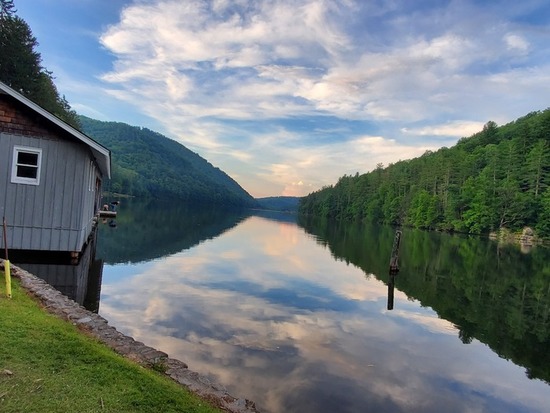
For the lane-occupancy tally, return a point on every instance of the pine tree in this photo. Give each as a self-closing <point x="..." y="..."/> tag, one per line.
<point x="19" y="62"/>
<point x="7" y="9"/>
<point x="21" y="65"/>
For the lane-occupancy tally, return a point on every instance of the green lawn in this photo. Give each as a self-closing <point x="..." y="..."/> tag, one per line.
<point x="47" y="365"/>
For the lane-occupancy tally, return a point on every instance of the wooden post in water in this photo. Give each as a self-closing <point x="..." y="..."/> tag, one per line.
<point x="394" y="264"/>
<point x="394" y="267"/>
<point x="391" y="287"/>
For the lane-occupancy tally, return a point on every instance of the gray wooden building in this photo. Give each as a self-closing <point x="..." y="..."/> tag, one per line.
<point x="50" y="177"/>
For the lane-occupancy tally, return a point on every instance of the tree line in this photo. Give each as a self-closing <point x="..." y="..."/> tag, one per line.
<point x="21" y="66"/>
<point x="496" y="178"/>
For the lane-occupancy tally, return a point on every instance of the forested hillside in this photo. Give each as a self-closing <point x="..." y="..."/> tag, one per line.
<point x="148" y="164"/>
<point x="497" y="178"/>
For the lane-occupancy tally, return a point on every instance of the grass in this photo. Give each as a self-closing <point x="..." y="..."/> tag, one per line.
<point x="48" y="365"/>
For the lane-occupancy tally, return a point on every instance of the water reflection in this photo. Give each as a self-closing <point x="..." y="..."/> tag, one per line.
<point x="391" y="291"/>
<point x="149" y="229"/>
<point x="496" y="294"/>
<point x="79" y="281"/>
<point x="279" y="316"/>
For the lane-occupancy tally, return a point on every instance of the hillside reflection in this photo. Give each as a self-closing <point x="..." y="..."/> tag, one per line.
<point x="493" y="293"/>
<point x="146" y="229"/>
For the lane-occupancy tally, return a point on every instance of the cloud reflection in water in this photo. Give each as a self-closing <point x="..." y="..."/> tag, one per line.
<point x="270" y="314"/>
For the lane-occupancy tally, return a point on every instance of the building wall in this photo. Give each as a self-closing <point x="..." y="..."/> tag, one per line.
<point x="57" y="214"/>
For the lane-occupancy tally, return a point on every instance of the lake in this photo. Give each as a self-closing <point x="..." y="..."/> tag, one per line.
<point x="293" y="313"/>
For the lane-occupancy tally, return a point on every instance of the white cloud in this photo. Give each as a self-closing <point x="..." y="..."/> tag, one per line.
<point x="516" y="42"/>
<point x="193" y="66"/>
<point x="284" y="166"/>
<point x="457" y="129"/>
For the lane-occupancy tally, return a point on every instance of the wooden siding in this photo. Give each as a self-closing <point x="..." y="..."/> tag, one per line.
<point x="58" y="214"/>
<point x="21" y="116"/>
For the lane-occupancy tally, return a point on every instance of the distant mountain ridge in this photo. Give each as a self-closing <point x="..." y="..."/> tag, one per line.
<point x="279" y="203"/>
<point x="148" y="164"/>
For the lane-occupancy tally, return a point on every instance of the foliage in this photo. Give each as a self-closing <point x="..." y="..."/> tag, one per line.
<point x="148" y="164"/>
<point x="56" y="368"/>
<point x="497" y="178"/>
<point x="21" y="65"/>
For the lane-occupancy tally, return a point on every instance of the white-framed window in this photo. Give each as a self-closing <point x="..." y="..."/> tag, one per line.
<point x="25" y="168"/>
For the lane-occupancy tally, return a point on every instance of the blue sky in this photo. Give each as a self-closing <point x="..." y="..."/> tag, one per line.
<point x="286" y="96"/>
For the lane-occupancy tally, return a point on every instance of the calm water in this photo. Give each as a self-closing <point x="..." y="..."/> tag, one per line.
<point x="294" y="315"/>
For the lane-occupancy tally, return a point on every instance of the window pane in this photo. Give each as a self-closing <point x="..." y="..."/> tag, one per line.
<point x="27" y="158"/>
<point x="26" y="171"/>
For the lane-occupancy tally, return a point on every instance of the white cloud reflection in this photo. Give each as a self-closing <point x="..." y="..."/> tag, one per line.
<point x="265" y="304"/>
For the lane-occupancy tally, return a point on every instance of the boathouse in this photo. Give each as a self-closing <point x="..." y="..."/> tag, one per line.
<point x="50" y="178"/>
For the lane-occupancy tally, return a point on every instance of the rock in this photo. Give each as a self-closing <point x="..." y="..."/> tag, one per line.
<point x="528" y="232"/>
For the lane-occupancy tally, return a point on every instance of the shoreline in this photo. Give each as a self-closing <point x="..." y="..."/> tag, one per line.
<point x="98" y="327"/>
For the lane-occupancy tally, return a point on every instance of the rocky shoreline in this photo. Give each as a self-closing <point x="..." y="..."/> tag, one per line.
<point x="96" y="326"/>
<point x="527" y="239"/>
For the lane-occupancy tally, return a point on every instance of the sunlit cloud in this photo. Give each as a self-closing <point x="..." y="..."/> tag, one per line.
<point x="429" y="321"/>
<point x="457" y="129"/>
<point x="223" y="77"/>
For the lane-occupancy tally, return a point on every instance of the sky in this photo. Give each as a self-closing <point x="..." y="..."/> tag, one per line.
<point x="286" y="96"/>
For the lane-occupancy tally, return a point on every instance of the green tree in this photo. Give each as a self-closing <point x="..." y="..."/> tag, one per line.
<point x="493" y="179"/>
<point x="7" y="9"/>
<point x="543" y="225"/>
<point x="423" y="212"/>
<point x="21" y="65"/>
<point x="489" y="134"/>
<point x="537" y="168"/>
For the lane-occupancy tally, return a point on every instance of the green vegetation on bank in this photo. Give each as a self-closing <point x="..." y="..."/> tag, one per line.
<point x="497" y="178"/>
<point x="48" y="365"/>
<point x="148" y="164"/>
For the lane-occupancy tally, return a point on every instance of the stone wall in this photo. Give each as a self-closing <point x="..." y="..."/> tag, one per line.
<point x="95" y="325"/>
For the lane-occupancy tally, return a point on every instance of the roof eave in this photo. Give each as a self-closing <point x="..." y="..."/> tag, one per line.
<point x="101" y="154"/>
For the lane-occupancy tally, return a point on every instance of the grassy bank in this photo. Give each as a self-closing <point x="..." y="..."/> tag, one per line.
<point x="48" y="365"/>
